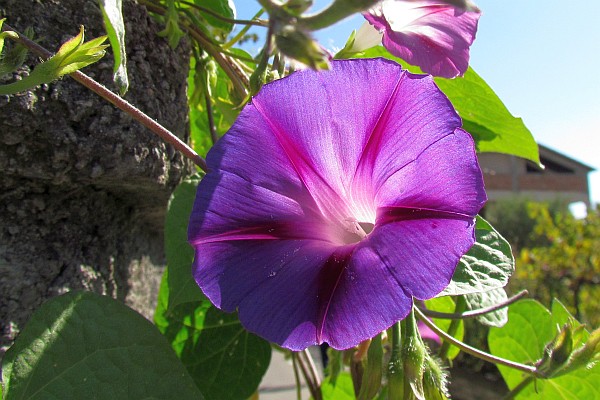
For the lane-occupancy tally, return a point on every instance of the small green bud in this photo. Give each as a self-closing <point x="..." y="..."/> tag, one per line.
<point x="584" y="356"/>
<point x="299" y="46"/>
<point x="435" y="380"/>
<point x="414" y="353"/>
<point x="556" y="353"/>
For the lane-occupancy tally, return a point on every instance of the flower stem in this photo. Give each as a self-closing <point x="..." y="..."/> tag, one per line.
<point x="473" y="351"/>
<point x="337" y="11"/>
<point x="461" y="305"/>
<point x="474" y="313"/>
<point x="120" y="103"/>
<point x="311" y="382"/>
<point x="297" y="376"/>
<point x="519" y="388"/>
<point x="210" y="118"/>
<point x="395" y="367"/>
<point x="312" y="368"/>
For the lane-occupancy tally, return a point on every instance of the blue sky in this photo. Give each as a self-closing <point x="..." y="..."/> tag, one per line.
<point x="542" y="58"/>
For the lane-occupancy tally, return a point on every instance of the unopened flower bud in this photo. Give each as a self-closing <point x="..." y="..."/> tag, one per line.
<point x="299" y="46"/>
<point x="557" y="352"/>
<point x="414" y="353"/>
<point x="435" y="382"/>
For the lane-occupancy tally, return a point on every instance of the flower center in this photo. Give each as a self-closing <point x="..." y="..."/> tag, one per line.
<point x="355" y="231"/>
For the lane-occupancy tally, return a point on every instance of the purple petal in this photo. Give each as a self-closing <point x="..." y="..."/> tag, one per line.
<point x="430" y="34"/>
<point x="275" y="284"/>
<point x="444" y="177"/>
<point x="326" y="119"/>
<point x="310" y="158"/>
<point x="422" y="254"/>
<point x="367" y="300"/>
<point x="406" y="128"/>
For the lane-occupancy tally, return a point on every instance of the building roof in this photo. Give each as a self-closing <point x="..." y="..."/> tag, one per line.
<point x="544" y="150"/>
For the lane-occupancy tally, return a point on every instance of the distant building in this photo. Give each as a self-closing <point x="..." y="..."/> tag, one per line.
<point x="563" y="178"/>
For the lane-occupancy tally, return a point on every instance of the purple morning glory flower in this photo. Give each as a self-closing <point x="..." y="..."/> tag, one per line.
<point x="334" y="199"/>
<point x="433" y="35"/>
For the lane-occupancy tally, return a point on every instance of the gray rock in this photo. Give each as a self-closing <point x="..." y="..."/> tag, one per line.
<point x="83" y="188"/>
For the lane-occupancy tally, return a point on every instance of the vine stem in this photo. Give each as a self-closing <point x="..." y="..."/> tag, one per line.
<point x="230" y="67"/>
<point x="461" y="304"/>
<point x="473" y="351"/>
<point x="119" y="102"/>
<point x="474" y="313"/>
<point x="519" y="388"/>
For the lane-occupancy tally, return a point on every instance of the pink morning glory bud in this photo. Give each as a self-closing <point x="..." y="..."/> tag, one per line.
<point x="432" y="34"/>
<point x="336" y="198"/>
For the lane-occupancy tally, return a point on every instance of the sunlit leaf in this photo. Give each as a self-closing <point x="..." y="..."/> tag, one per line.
<point x="529" y="329"/>
<point x="224" y="8"/>
<point x="341" y="389"/>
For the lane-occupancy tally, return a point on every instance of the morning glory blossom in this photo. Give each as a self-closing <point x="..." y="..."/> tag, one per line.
<point x="334" y="199"/>
<point x="431" y="34"/>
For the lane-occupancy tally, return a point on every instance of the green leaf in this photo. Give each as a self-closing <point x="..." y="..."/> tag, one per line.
<point x="446" y="305"/>
<point x="15" y="57"/>
<point x="530" y="327"/>
<point x="487" y="265"/>
<point x="82" y="345"/>
<point x="224" y="359"/>
<point x="484" y="116"/>
<point x="487" y="119"/>
<point x="180" y="255"/>
<point x="341" y="389"/>
<point x="487" y="299"/>
<point x="112" y="15"/>
<point x="225" y="8"/>
<point x="172" y="31"/>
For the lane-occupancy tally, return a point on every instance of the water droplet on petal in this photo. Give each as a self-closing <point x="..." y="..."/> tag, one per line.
<point x="272" y="274"/>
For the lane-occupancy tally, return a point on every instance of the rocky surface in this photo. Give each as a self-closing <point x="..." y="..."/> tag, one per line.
<point x="83" y="187"/>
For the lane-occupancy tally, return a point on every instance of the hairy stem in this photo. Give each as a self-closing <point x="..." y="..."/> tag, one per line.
<point x="473" y="351"/>
<point x="120" y="103"/>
